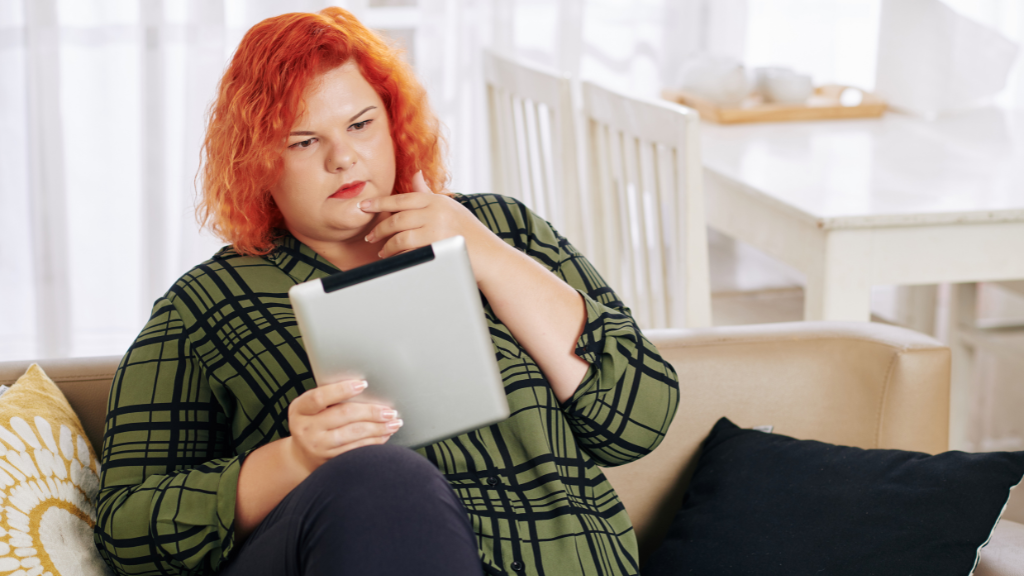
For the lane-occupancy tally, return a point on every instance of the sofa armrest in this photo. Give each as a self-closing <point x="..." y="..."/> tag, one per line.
<point x="851" y="383"/>
<point x="1004" y="554"/>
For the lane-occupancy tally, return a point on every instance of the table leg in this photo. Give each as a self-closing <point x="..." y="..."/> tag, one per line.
<point x="838" y="286"/>
<point x="916" y="307"/>
<point x="962" y="328"/>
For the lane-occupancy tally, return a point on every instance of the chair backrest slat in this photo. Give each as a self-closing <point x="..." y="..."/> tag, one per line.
<point x="554" y="202"/>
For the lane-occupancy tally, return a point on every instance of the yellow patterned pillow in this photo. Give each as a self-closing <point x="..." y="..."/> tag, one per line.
<point x="49" y="477"/>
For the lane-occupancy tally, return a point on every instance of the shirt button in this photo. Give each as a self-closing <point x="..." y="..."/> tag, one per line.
<point x="518" y="566"/>
<point x="493" y="481"/>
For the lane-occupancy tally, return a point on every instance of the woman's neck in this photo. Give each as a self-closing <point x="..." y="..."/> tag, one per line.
<point x="344" y="254"/>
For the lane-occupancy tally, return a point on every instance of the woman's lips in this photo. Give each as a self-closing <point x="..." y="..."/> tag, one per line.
<point x="349" y="190"/>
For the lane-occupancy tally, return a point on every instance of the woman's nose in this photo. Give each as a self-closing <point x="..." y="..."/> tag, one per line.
<point x="341" y="158"/>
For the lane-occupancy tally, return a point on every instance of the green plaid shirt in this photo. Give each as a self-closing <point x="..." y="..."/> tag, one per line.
<point x="210" y="377"/>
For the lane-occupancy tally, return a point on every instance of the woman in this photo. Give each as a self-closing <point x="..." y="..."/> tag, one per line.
<point x="222" y="455"/>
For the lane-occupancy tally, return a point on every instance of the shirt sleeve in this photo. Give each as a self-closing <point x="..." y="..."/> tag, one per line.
<point x="629" y="395"/>
<point x="167" y="490"/>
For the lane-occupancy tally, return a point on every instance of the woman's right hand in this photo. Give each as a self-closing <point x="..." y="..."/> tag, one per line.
<point x="325" y="423"/>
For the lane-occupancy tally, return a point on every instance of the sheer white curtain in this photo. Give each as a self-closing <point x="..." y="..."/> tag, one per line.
<point x="1006" y="16"/>
<point x="633" y="46"/>
<point x="102" y="107"/>
<point x="102" y="104"/>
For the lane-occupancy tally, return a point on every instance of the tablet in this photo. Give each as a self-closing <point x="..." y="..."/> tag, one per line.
<point x="413" y="327"/>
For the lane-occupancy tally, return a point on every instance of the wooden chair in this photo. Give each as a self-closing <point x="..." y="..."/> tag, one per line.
<point x="533" y="142"/>
<point x="965" y="334"/>
<point x="645" y="192"/>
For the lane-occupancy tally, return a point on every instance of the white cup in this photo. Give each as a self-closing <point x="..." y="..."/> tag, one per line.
<point x="762" y="74"/>
<point x="784" y="86"/>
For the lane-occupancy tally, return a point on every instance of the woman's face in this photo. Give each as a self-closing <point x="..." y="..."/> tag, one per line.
<point x="338" y="154"/>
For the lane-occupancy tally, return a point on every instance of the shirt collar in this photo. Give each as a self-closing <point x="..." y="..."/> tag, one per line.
<point x="299" y="261"/>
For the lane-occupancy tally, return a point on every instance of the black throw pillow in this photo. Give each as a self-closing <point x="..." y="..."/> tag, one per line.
<point x="764" y="504"/>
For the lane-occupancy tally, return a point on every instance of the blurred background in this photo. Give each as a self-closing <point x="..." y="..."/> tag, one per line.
<point x="102" y="108"/>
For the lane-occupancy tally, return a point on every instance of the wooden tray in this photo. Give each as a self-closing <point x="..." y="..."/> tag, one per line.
<point x="824" y="105"/>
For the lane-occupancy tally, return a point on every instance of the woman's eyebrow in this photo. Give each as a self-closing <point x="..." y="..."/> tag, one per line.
<point x="361" y="112"/>
<point x="308" y="133"/>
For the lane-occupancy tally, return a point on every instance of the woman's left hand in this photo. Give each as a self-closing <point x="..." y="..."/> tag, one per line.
<point x="545" y="314"/>
<point x="422" y="217"/>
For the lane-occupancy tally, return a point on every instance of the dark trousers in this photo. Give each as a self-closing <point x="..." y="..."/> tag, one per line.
<point x="373" y="510"/>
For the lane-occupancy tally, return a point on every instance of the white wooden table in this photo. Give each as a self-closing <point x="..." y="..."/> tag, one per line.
<point x="857" y="203"/>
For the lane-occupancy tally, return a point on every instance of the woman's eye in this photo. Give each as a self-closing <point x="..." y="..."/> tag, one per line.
<point x="303" y="144"/>
<point x="360" y="125"/>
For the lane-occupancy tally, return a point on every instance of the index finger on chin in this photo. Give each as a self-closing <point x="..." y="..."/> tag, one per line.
<point x="395" y="203"/>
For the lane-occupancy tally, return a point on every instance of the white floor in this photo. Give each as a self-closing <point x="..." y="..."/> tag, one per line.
<point x="751" y="288"/>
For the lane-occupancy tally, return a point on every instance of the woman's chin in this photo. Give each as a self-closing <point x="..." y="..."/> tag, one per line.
<point x="353" y="221"/>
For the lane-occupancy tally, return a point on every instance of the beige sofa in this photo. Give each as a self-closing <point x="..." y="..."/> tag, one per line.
<point x="858" y="384"/>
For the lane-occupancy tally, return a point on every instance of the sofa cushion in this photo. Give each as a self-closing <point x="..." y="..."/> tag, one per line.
<point x="767" y="504"/>
<point x="49" y="477"/>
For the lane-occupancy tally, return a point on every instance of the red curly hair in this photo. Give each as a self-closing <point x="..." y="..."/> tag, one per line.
<point x="259" y="99"/>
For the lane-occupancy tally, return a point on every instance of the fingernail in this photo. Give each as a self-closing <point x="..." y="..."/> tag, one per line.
<point x="389" y="414"/>
<point x="364" y="204"/>
<point x="379" y="254"/>
<point x="367" y="238"/>
<point x="394" y="425"/>
<point x="359" y="386"/>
